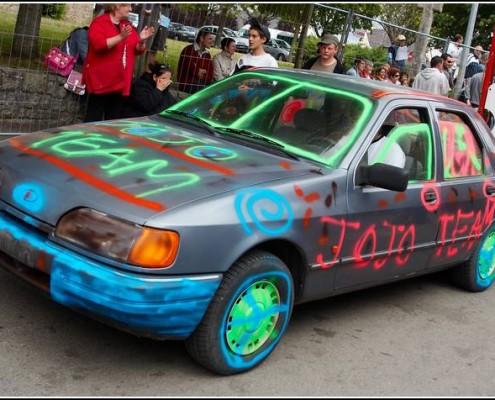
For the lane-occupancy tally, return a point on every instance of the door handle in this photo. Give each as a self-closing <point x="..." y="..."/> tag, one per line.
<point x="490" y="190"/>
<point x="431" y="197"/>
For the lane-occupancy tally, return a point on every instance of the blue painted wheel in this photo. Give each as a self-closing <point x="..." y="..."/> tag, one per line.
<point x="247" y="317"/>
<point x="478" y="273"/>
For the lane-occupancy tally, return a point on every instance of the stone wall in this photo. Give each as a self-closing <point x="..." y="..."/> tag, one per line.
<point x="35" y="100"/>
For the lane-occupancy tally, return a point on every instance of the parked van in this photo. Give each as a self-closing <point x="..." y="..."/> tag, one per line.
<point x="274" y="33"/>
<point x="242" y="45"/>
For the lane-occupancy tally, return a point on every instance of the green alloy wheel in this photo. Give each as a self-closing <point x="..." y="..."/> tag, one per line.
<point x="247" y="316"/>
<point x="253" y="317"/>
<point x="478" y="273"/>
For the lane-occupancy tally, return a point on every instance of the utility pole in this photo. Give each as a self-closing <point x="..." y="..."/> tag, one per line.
<point x="465" y="50"/>
<point x="425" y="27"/>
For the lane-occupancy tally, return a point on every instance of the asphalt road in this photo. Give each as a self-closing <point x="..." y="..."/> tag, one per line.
<point x="421" y="337"/>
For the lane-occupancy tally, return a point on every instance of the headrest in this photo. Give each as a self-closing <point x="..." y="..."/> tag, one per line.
<point x="309" y="119"/>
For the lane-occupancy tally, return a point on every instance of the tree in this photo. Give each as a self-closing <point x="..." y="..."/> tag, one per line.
<point x="264" y="13"/>
<point x="330" y="20"/>
<point x="402" y="15"/>
<point x="457" y="15"/>
<point x="27" y="30"/>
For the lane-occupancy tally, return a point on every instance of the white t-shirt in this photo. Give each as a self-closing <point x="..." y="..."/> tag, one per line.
<point x="265" y="60"/>
<point x="394" y="156"/>
<point x="401" y="53"/>
<point x="455" y="51"/>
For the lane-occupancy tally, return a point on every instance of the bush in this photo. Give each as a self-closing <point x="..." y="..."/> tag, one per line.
<point x="378" y="55"/>
<point x="54" y="11"/>
<point x="311" y="47"/>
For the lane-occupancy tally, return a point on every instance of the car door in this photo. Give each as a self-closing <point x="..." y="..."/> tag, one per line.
<point x="270" y="47"/>
<point x="466" y="183"/>
<point x="388" y="233"/>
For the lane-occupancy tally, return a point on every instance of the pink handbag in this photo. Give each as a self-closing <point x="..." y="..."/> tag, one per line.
<point x="59" y="62"/>
<point x="73" y="83"/>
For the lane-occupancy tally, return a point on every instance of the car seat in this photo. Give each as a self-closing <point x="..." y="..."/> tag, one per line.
<point x="412" y="165"/>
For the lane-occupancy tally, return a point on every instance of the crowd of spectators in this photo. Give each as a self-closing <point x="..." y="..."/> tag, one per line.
<point x="113" y="43"/>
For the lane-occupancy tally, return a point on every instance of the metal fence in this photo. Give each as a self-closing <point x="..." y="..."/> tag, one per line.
<point x="22" y="101"/>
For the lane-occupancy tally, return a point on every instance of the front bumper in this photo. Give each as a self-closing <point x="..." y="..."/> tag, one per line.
<point x="152" y="305"/>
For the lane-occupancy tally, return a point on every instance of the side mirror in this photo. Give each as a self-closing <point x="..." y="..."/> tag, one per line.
<point x="383" y="176"/>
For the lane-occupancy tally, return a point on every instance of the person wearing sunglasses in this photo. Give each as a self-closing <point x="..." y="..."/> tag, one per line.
<point x="393" y="76"/>
<point x="432" y="79"/>
<point x="149" y="93"/>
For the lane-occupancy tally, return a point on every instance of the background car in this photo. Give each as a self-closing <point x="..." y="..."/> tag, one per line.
<point x="175" y="29"/>
<point x="185" y="33"/>
<point x="242" y="44"/>
<point x="209" y="221"/>
<point x="278" y="48"/>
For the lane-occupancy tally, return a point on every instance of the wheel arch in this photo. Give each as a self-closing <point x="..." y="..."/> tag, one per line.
<point x="292" y="256"/>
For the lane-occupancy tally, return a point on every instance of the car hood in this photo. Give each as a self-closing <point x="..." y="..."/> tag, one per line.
<point x="132" y="169"/>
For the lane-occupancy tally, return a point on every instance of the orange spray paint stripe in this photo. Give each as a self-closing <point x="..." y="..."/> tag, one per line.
<point x="89" y="179"/>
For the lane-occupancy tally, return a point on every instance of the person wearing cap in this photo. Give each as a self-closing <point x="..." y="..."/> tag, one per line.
<point x="397" y="54"/>
<point x="473" y="65"/>
<point x="326" y="61"/>
<point x="257" y="56"/>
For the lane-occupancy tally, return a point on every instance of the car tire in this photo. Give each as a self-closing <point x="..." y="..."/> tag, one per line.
<point x="247" y="316"/>
<point x="478" y="273"/>
<point x="281" y="57"/>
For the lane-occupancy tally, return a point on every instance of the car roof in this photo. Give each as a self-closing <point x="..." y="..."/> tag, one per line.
<point x="367" y="87"/>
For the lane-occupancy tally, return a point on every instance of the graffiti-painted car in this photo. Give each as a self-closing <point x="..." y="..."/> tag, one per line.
<point x="209" y="221"/>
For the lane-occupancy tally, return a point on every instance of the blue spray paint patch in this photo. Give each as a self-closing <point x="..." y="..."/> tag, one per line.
<point x="211" y="152"/>
<point x="241" y="362"/>
<point x="168" y="307"/>
<point x="270" y="212"/>
<point x="29" y="196"/>
<point x="486" y="261"/>
<point x="145" y="131"/>
<point x="158" y="305"/>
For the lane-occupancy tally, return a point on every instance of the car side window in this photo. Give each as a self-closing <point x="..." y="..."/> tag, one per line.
<point x="404" y="140"/>
<point x="462" y="155"/>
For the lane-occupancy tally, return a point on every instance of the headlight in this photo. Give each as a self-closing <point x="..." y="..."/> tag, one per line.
<point x="117" y="239"/>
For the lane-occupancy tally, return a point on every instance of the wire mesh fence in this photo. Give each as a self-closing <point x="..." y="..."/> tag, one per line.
<point x="32" y="98"/>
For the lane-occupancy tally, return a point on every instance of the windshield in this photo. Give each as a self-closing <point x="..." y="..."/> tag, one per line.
<point x="229" y="32"/>
<point x="283" y="44"/>
<point x="308" y="119"/>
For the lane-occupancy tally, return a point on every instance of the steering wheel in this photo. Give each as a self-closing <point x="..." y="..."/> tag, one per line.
<point x="320" y="141"/>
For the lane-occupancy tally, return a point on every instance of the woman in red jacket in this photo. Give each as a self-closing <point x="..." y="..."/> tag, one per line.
<point x="109" y="65"/>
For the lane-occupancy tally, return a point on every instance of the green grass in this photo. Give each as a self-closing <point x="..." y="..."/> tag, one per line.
<point x="52" y="33"/>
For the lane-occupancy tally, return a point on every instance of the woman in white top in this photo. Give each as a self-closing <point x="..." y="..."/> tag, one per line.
<point x="257" y="57"/>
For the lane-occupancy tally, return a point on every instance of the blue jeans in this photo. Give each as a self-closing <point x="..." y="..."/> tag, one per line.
<point x="401" y="64"/>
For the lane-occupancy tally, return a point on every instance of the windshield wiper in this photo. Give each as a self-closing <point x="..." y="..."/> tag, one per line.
<point x="205" y="124"/>
<point x="255" y="136"/>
